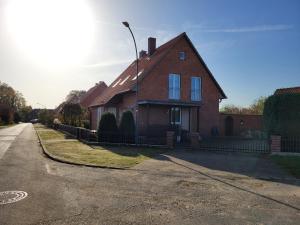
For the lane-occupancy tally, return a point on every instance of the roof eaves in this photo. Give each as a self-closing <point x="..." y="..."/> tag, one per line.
<point x="206" y="67"/>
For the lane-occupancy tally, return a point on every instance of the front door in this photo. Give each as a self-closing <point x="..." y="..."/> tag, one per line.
<point x="185" y="119"/>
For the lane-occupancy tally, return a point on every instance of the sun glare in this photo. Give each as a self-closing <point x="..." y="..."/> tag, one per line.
<point x="52" y="31"/>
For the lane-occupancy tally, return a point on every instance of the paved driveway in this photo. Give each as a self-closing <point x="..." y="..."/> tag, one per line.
<point x="177" y="188"/>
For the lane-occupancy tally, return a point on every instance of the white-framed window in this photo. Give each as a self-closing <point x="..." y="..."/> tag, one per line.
<point x="196" y="89"/>
<point x="175" y="115"/>
<point x="174" y="86"/>
<point x="182" y="55"/>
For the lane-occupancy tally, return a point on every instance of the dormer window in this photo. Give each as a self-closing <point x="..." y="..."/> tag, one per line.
<point x="182" y="56"/>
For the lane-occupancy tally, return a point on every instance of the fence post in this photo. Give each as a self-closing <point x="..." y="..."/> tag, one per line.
<point x="170" y="139"/>
<point x="78" y="133"/>
<point x="275" y="143"/>
<point x="195" y="140"/>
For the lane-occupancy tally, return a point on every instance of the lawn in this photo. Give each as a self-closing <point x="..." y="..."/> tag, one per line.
<point x="120" y="157"/>
<point x="47" y="134"/>
<point x="74" y="151"/>
<point x="51" y="135"/>
<point x="289" y="163"/>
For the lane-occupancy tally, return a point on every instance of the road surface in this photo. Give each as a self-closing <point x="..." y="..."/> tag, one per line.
<point x="177" y="188"/>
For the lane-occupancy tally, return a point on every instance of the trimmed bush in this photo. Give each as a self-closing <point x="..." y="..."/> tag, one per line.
<point x="282" y="115"/>
<point x="127" y="127"/>
<point x="108" y="129"/>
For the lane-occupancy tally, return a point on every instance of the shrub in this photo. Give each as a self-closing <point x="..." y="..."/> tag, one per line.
<point x="108" y="129"/>
<point x="86" y="124"/>
<point x="282" y="115"/>
<point x="127" y="127"/>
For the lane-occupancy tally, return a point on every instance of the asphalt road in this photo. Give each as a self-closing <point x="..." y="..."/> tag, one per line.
<point x="177" y="188"/>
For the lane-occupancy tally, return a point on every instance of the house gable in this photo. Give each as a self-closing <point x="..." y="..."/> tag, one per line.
<point x="154" y="86"/>
<point x="126" y="82"/>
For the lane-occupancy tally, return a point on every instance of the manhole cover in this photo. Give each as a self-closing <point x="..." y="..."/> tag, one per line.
<point x="11" y="196"/>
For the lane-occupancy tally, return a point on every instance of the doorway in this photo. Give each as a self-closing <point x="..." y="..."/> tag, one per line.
<point x="229" y="126"/>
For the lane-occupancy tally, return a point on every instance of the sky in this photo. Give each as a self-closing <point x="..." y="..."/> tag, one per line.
<point x="48" y="48"/>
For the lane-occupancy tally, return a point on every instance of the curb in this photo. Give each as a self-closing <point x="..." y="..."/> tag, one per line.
<point x="58" y="159"/>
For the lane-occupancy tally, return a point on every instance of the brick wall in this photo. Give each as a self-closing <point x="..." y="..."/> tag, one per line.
<point x="250" y="122"/>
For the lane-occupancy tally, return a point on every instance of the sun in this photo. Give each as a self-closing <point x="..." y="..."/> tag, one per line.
<point x="51" y="31"/>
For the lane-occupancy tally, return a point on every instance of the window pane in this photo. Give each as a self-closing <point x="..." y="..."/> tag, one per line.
<point x="182" y="55"/>
<point x="174" y="86"/>
<point x="175" y="115"/>
<point x="195" y="88"/>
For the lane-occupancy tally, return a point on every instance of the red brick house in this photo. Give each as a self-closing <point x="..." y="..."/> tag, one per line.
<point x="175" y="87"/>
<point x="88" y="98"/>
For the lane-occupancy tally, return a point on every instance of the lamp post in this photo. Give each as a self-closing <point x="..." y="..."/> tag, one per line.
<point x="126" y="24"/>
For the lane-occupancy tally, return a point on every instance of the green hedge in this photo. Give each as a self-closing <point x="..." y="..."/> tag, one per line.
<point x="108" y="130"/>
<point x="127" y="126"/>
<point x="282" y="115"/>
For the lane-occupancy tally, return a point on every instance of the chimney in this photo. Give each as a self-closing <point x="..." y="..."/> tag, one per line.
<point x="151" y="45"/>
<point x="142" y="53"/>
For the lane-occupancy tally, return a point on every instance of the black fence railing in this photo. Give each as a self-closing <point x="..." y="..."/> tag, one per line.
<point x="236" y="144"/>
<point x="290" y="144"/>
<point x="110" y="137"/>
<point x="66" y="128"/>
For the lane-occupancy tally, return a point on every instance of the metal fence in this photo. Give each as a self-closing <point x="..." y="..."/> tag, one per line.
<point x="110" y="137"/>
<point x="236" y="144"/>
<point x="66" y="128"/>
<point x="290" y="144"/>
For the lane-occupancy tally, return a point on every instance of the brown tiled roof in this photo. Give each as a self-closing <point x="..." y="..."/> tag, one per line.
<point x="290" y="90"/>
<point x="93" y="93"/>
<point x="126" y="81"/>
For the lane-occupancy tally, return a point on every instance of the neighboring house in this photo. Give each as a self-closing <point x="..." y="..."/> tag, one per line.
<point x="86" y="98"/>
<point x="290" y="90"/>
<point x="175" y="88"/>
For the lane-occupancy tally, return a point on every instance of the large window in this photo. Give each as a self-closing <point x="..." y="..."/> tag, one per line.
<point x="175" y="115"/>
<point x="196" y="89"/>
<point x="174" y="86"/>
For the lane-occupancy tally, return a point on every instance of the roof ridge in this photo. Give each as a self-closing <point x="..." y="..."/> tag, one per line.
<point x="288" y="88"/>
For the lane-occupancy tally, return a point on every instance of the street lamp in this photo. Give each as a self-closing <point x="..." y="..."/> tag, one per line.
<point x="126" y="24"/>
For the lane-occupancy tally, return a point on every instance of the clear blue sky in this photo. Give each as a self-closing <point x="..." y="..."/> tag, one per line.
<point x="251" y="47"/>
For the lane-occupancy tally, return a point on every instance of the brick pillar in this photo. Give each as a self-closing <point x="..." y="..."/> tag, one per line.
<point x="170" y="139"/>
<point x="275" y="143"/>
<point x="195" y="140"/>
